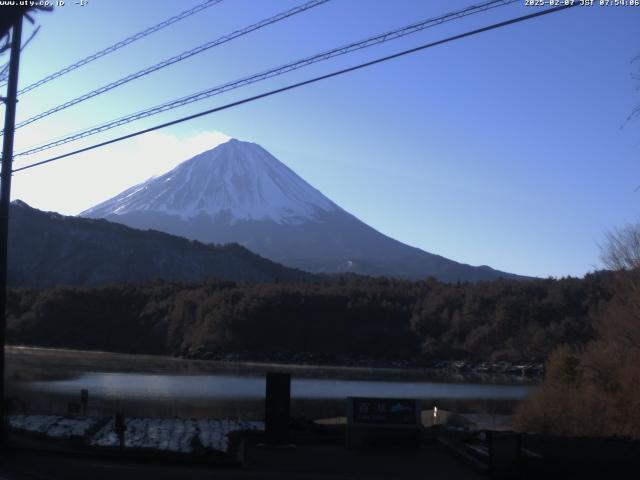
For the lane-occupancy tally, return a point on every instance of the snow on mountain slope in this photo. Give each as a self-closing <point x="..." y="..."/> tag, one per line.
<point x="238" y="179"/>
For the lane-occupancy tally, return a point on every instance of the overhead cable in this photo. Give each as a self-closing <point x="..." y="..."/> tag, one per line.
<point x="368" y="42"/>
<point x="122" y="43"/>
<point x="175" y="59"/>
<point x="303" y="83"/>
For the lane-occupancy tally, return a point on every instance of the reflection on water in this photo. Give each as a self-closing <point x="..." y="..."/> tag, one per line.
<point x="216" y="386"/>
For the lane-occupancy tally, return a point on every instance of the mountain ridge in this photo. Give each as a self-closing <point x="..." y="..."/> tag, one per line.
<point x="48" y="249"/>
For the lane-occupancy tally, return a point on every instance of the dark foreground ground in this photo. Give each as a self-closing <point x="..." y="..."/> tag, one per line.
<point x="301" y="462"/>
<point x="442" y="454"/>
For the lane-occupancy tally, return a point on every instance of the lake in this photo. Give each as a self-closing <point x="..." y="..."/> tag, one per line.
<point x="46" y="381"/>
<point x="222" y="386"/>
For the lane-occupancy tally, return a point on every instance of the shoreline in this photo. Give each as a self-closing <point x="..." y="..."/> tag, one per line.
<point x="529" y="372"/>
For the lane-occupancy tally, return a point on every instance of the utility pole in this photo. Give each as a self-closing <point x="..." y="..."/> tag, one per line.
<point x="5" y="197"/>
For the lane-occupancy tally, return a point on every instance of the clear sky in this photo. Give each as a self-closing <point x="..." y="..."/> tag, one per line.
<point x="508" y="149"/>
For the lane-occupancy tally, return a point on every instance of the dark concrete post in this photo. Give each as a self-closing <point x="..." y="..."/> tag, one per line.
<point x="277" y="408"/>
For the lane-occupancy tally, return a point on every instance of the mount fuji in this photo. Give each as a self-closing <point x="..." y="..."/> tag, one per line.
<point x="238" y="192"/>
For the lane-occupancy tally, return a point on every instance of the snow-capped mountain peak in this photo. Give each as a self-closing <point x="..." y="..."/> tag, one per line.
<point x="238" y="192"/>
<point x="239" y="180"/>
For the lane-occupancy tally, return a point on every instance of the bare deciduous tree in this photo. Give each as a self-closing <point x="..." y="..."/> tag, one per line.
<point x="595" y="390"/>
<point x="621" y="250"/>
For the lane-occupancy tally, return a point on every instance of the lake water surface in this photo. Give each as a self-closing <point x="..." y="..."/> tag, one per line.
<point x="47" y="381"/>
<point x="221" y="386"/>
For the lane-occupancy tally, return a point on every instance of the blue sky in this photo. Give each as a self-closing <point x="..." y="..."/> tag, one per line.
<point x="508" y="149"/>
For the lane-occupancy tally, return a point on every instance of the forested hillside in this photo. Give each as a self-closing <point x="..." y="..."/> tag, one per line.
<point x="329" y="321"/>
<point x="47" y="249"/>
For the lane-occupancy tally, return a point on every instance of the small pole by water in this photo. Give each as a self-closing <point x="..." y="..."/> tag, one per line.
<point x="120" y="427"/>
<point x="84" y="401"/>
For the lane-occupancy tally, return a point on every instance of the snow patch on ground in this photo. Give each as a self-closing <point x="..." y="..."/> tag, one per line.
<point x="54" y="426"/>
<point x="174" y="435"/>
<point x="170" y="435"/>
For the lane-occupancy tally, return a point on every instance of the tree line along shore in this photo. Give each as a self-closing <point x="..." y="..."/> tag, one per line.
<point x="480" y="326"/>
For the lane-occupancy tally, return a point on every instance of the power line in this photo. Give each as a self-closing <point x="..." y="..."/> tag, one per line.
<point x="175" y="59"/>
<point x="122" y="43"/>
<point x="377" y="39"/>
<point x="303" y="83"/>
